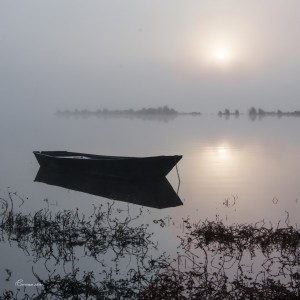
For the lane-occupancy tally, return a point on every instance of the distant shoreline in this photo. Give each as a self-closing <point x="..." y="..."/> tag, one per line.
<point x="165" y="113"/>
<point x="260" y="112"/>
<point x="159" y="111"/>
<point x="253" y="113"/>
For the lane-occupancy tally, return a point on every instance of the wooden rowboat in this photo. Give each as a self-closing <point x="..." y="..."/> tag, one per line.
<point x="109" y="166"/>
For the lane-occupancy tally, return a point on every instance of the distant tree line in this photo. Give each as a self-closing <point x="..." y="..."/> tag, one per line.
<point x="260" y="112"/>
<point x="227" y="112"/>
<point x="164" y="110"/>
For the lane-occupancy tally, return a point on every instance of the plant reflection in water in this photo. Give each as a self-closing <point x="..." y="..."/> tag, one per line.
<point x="214" y="261"/>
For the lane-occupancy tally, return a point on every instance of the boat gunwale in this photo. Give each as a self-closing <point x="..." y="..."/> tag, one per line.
<point x="99" y="157"/>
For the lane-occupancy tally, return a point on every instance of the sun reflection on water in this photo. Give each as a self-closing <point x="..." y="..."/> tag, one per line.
<point x="223" y="152"/>
<point x="214" y="170"/>
<point x="220" y="159"/>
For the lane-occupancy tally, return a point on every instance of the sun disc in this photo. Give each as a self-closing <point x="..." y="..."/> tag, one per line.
<point x="221" y="54"/>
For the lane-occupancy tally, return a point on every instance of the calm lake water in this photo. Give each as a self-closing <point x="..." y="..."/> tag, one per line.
<point x="236" y="169"/>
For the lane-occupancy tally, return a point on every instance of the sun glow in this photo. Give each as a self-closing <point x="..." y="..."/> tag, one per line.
<point x="224" y="45"/>
<point x="216" y="55"/>
<point x="221" y="54"/>
<point x="215" y="52"/>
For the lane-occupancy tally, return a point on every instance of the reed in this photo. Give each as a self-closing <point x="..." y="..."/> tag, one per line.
<point x="214" y="260"/>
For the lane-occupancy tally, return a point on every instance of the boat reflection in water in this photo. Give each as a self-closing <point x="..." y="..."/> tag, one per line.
<point x="156" y="193"/>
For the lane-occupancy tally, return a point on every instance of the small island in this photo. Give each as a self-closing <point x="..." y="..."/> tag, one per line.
<point x="253" y="112"/>
<point x="227" y="112"/>
<point x="144" y="113"/>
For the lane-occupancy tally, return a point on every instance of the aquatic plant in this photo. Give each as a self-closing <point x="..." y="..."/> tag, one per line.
<point x="214" y="260"/>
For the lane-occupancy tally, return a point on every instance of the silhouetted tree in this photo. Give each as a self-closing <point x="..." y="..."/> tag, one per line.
<point x="252" y="111"/>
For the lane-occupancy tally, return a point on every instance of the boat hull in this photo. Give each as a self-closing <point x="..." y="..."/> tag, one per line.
<point x="108" y="166"/>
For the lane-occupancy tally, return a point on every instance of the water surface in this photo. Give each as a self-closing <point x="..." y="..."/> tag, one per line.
<point x="237" y="170"/>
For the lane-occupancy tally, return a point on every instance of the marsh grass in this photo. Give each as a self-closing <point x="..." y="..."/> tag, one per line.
<point x="214" y="260"/>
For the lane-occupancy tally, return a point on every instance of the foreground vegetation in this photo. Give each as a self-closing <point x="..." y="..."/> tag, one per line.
<point x="214" y="260"/>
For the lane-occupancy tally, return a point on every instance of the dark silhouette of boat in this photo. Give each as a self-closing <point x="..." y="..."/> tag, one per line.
<point x="108" y="166"/>
<point x="152" y="193"/>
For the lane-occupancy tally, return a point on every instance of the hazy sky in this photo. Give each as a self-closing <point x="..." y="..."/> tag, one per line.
<point x="191" y="55"/>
